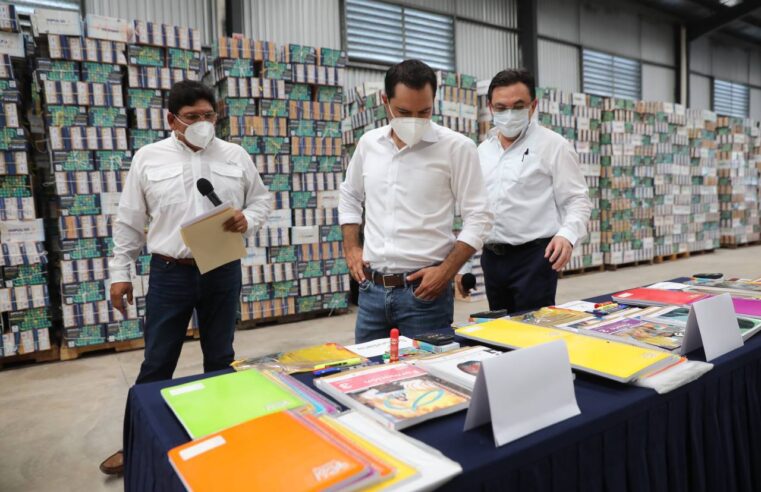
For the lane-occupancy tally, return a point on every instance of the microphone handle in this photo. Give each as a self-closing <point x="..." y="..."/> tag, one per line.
<point x="214" y="199"/>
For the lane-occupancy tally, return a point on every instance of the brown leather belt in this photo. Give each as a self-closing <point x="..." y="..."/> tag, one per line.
<point x="179" y="261"/>
<point x="388" y="280"/>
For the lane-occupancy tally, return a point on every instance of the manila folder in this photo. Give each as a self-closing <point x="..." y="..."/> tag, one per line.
<point x="210" y="244"/>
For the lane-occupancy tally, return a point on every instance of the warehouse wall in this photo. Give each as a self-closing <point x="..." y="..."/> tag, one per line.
<point x="309" y="22"/>
<point x="199" y="14"/>
<point x="700" y="92"/>
<point x="620" y="28"/>
<point x="483" y="51"/>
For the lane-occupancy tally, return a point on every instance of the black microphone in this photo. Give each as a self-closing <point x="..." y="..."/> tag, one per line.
<point x="468" y="282"/>
<point x="207" y="189"/>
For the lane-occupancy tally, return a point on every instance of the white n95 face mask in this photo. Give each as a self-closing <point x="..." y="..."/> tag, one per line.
<point x="409" y="130"/>
<point x="511" y="122"/>
<point x="199" y="134"/>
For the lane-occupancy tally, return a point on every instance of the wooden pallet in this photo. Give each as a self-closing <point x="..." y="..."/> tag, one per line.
<point x="290" y="318"/>
<point x="671" y="257"/>
<point x="193" y="333"/>
<point x="581" y="271"/>
<point x="70" y="353"/>
<point x="733" y="245"/>
<point x="613" y="268"/>
<point x="50" y="355"/>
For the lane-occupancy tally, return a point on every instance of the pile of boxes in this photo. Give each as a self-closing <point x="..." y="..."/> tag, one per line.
<point x="456" y="103"/>
<point x="79" y="80"/>
<point x="626" y="183"/>
<point x="738" y="182"/>
<point x="704" y="221"/>
<point x="283" y="105"/>
<point x="25" y="320"/>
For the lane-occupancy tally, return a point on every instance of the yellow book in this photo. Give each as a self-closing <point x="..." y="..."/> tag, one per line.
<point x="614" y="360"/>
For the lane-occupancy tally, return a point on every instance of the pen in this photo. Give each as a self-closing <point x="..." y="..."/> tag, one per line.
<point x="524" y="156"/>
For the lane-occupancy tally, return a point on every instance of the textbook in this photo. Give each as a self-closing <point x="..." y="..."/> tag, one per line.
<point x="642" y="332"/>
<point x="735" y="285"/>
<point x="618" y="361"/>
<point x="459" y="366"/>
<point x="210" y="244"/>
<point x="747" y="307"/>
<point x="212" y="404"/>
<point x="658" y="297"/>
<point x="277" y="452"/>
<point x="398" y="395"/>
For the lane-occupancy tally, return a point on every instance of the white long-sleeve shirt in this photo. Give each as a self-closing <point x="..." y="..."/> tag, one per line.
<point x="409" y="198"/>
<point x="536" y="188"/>
<point x="161" y="186"/>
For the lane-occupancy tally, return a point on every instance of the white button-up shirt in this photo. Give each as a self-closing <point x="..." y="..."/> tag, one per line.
<point x="536" y="187"/>
<point x="160" y="193"/>
<point x="410" y="195"/>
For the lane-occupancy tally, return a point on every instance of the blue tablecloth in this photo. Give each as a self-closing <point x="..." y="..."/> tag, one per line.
<point x="705" y="436"/>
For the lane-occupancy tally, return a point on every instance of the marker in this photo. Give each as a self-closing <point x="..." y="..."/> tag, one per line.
<point x="394" y="341"/>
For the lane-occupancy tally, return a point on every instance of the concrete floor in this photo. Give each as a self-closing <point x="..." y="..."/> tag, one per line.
<point x="59" y="420"/>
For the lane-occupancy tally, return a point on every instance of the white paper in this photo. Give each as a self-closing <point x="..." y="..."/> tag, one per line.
<point x="109" y="28"/>
<point x="584" y="306"/>
<point x="523" y="391"/>
<point x="202" y="447"/>
<point x="378" y="347"/>
<point x="12" y="43"/>
<point x="48" y="21"/>
<point x="668" y="286"/>
<point x="713" y="324"/>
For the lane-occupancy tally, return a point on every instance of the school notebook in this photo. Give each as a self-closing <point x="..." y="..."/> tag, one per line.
<point x="613" y="360"/>
<point x="212" y="404"/>
<point x="658" y="297"/>
<point x="210" y="244"/>
<point x="277" y="452"/>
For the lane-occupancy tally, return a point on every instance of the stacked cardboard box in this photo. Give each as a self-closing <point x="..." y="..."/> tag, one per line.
<point x="577" y="117"/>
<point x="80" y="82"/>
<point x="626" y="183"/>
<point x="484" y="115"/>
<point x="456" y="104"/>
<point x="283" y="105"/>
<point x="704" y="223"/>
<point x="666" y="126"/>
<point x="738" y="182"/>
<point x="25" y="322"/>
<point x="363" y="111"/>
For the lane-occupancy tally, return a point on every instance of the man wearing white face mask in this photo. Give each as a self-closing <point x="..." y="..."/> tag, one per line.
<point x="160" y="194"/>
<point x="408" y="176"/>
<point x="538" y="194"/>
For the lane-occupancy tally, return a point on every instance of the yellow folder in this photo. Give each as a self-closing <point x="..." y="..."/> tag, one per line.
<point x="210" y="244"/>
<point x="606" y="358"/>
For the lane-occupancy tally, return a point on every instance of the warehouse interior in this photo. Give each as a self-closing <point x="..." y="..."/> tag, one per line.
<point x="687" y="72"/>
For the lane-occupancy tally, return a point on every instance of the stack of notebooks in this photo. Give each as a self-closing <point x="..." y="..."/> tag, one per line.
<point x="703" y="228"/>
<point x="308" y="445"/>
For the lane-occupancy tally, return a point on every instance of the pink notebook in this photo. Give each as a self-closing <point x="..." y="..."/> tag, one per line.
<point x="747" y="307"/>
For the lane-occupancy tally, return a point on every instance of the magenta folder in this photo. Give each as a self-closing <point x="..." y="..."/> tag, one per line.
<point x="747" y="307"/>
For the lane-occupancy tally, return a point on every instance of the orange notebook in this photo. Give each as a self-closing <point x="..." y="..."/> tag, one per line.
<point x="277" y="452"/>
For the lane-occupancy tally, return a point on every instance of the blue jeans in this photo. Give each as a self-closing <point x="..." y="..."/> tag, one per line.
<point x="381" y="309"/>
<point x="174" y="290"/>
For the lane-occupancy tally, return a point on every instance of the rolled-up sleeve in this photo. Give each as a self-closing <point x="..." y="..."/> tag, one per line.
<point x="258" y="200"/>
<point x="129" y="226"/>
<point x="470" y="195"/>
<point x="352" y="190"/>
<point x="571" y="194"/>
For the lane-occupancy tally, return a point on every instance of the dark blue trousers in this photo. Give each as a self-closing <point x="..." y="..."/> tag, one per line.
<point x="174" y="290"/>
<point x="521" y="279"/>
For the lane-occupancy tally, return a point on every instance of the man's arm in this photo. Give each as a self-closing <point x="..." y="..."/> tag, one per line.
<point x="128" y="235"/>
<point x="470" y="195"/>
<point x="350" y="214"/>
<point x="257" y="203"/>
<point x="572" y="199"/>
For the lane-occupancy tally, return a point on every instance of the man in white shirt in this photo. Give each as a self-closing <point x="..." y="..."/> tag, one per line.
<point x="538" y="194"/>
<point x="409" y="176"/>
<point x="160" y="194"/>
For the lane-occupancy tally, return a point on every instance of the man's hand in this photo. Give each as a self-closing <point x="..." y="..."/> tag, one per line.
<point x="559" y="252"/>
<point x="118" y="291"/>
<point x="356" y="264"/>
<point x="236" y="223"/>
<point x="435" y="280"/>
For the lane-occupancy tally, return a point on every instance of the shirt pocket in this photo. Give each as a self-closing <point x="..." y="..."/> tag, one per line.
<point x="533" y="173"/>
<point x="166" y="186"/>
<point x="228" y="182"/>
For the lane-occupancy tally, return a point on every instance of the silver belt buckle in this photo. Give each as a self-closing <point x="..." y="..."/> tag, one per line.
<point x="384" y="282"/>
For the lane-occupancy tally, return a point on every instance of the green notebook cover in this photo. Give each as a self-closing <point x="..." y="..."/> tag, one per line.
<point x="210" y="405"/>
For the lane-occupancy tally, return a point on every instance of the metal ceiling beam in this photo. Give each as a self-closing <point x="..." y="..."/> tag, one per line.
<point x="527" y="35"/>
<point x="721" y="18"/>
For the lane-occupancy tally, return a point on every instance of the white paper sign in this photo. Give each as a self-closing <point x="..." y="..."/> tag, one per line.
<point x="712" y="323"/>
<point x="108" y="28"/>
<point x="12" y="43"/>
<point x="523" y="391"/>
<point x="63" y="22"/>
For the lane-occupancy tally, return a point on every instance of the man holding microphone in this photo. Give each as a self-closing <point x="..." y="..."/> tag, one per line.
<point x="160" y="194"/>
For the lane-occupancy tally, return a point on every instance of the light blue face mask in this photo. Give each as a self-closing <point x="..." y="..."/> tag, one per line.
<point x="511" y="122"/>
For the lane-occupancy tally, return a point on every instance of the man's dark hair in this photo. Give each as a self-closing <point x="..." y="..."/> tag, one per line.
<point x="513" y="76"/>
<point x="189" y="92"/>
<point x="412" y="73"/>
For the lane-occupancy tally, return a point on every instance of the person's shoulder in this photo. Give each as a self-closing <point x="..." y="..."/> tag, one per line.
<point x="551" y="137"/>
<point x="150" y="150"/>
<point x="374" y="134"/>
<point x="452" y="137"/>
<point x="225" y="146"/>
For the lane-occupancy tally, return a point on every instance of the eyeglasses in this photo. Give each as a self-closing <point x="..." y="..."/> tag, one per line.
<point x="195" y="117"/>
